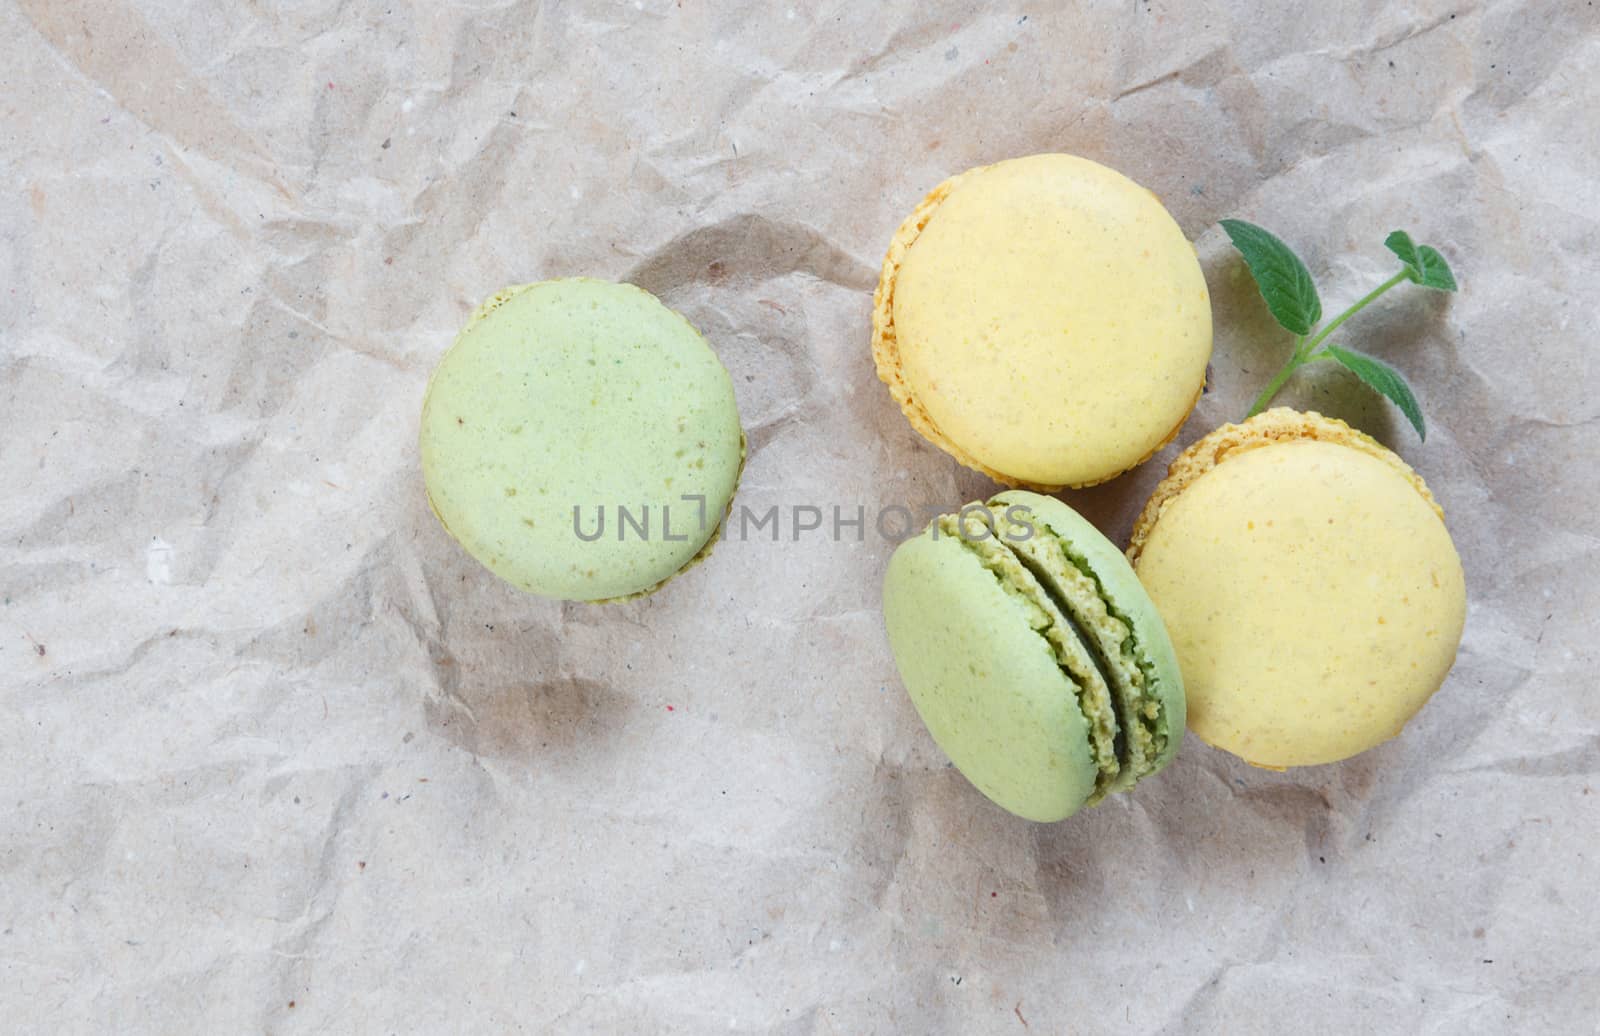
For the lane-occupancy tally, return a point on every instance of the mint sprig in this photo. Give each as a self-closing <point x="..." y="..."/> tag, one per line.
<point x="1424" y="265"/>
<point x="1291" y="297"/>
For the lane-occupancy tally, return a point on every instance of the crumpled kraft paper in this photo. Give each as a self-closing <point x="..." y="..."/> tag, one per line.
<point x="280" y="757"/>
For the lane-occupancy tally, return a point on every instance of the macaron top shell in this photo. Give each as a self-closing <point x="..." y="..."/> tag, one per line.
<point x="1044" y="320"/>
<point x="1310" y="586"/>
<point x="588" y="395"/>
<point x="985" y="682"/>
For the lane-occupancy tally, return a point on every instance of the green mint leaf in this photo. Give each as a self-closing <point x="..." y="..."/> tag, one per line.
<point x="1400" y="243"/>
<point x="1282" y="278"/>
<point x="1424" y="265"/>
<point x="1435" y="271"/>
<point x="1385" y="379"/>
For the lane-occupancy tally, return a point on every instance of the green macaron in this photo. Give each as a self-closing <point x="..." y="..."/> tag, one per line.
<point x="1033" y="655"/>
<point x="581" y="440"/>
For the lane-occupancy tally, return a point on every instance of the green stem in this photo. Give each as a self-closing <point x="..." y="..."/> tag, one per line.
<point x="1305" y="349"/>
<point x="1361" y="303"/>
<point x="1296" y="358"/>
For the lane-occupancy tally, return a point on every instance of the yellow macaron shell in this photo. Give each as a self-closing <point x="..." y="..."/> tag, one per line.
<point x="1050" y="319"/>
<point x="1313" y="595"/>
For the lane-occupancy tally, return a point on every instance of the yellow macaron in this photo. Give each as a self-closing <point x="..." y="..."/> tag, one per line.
<point x="1043" y="320"/>
<point x="1310" y="586"/>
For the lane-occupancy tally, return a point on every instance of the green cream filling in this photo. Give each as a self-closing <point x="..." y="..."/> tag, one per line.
<point x="1061" y="633"/>
<point x="1067" y="577"/>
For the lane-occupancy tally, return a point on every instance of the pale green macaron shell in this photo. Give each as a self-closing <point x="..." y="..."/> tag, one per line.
<point x="588" y="395"/>
<point x="1033" y="655"/>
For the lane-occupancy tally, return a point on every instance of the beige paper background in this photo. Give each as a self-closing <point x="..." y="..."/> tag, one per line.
<point x="277" y="756"/>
